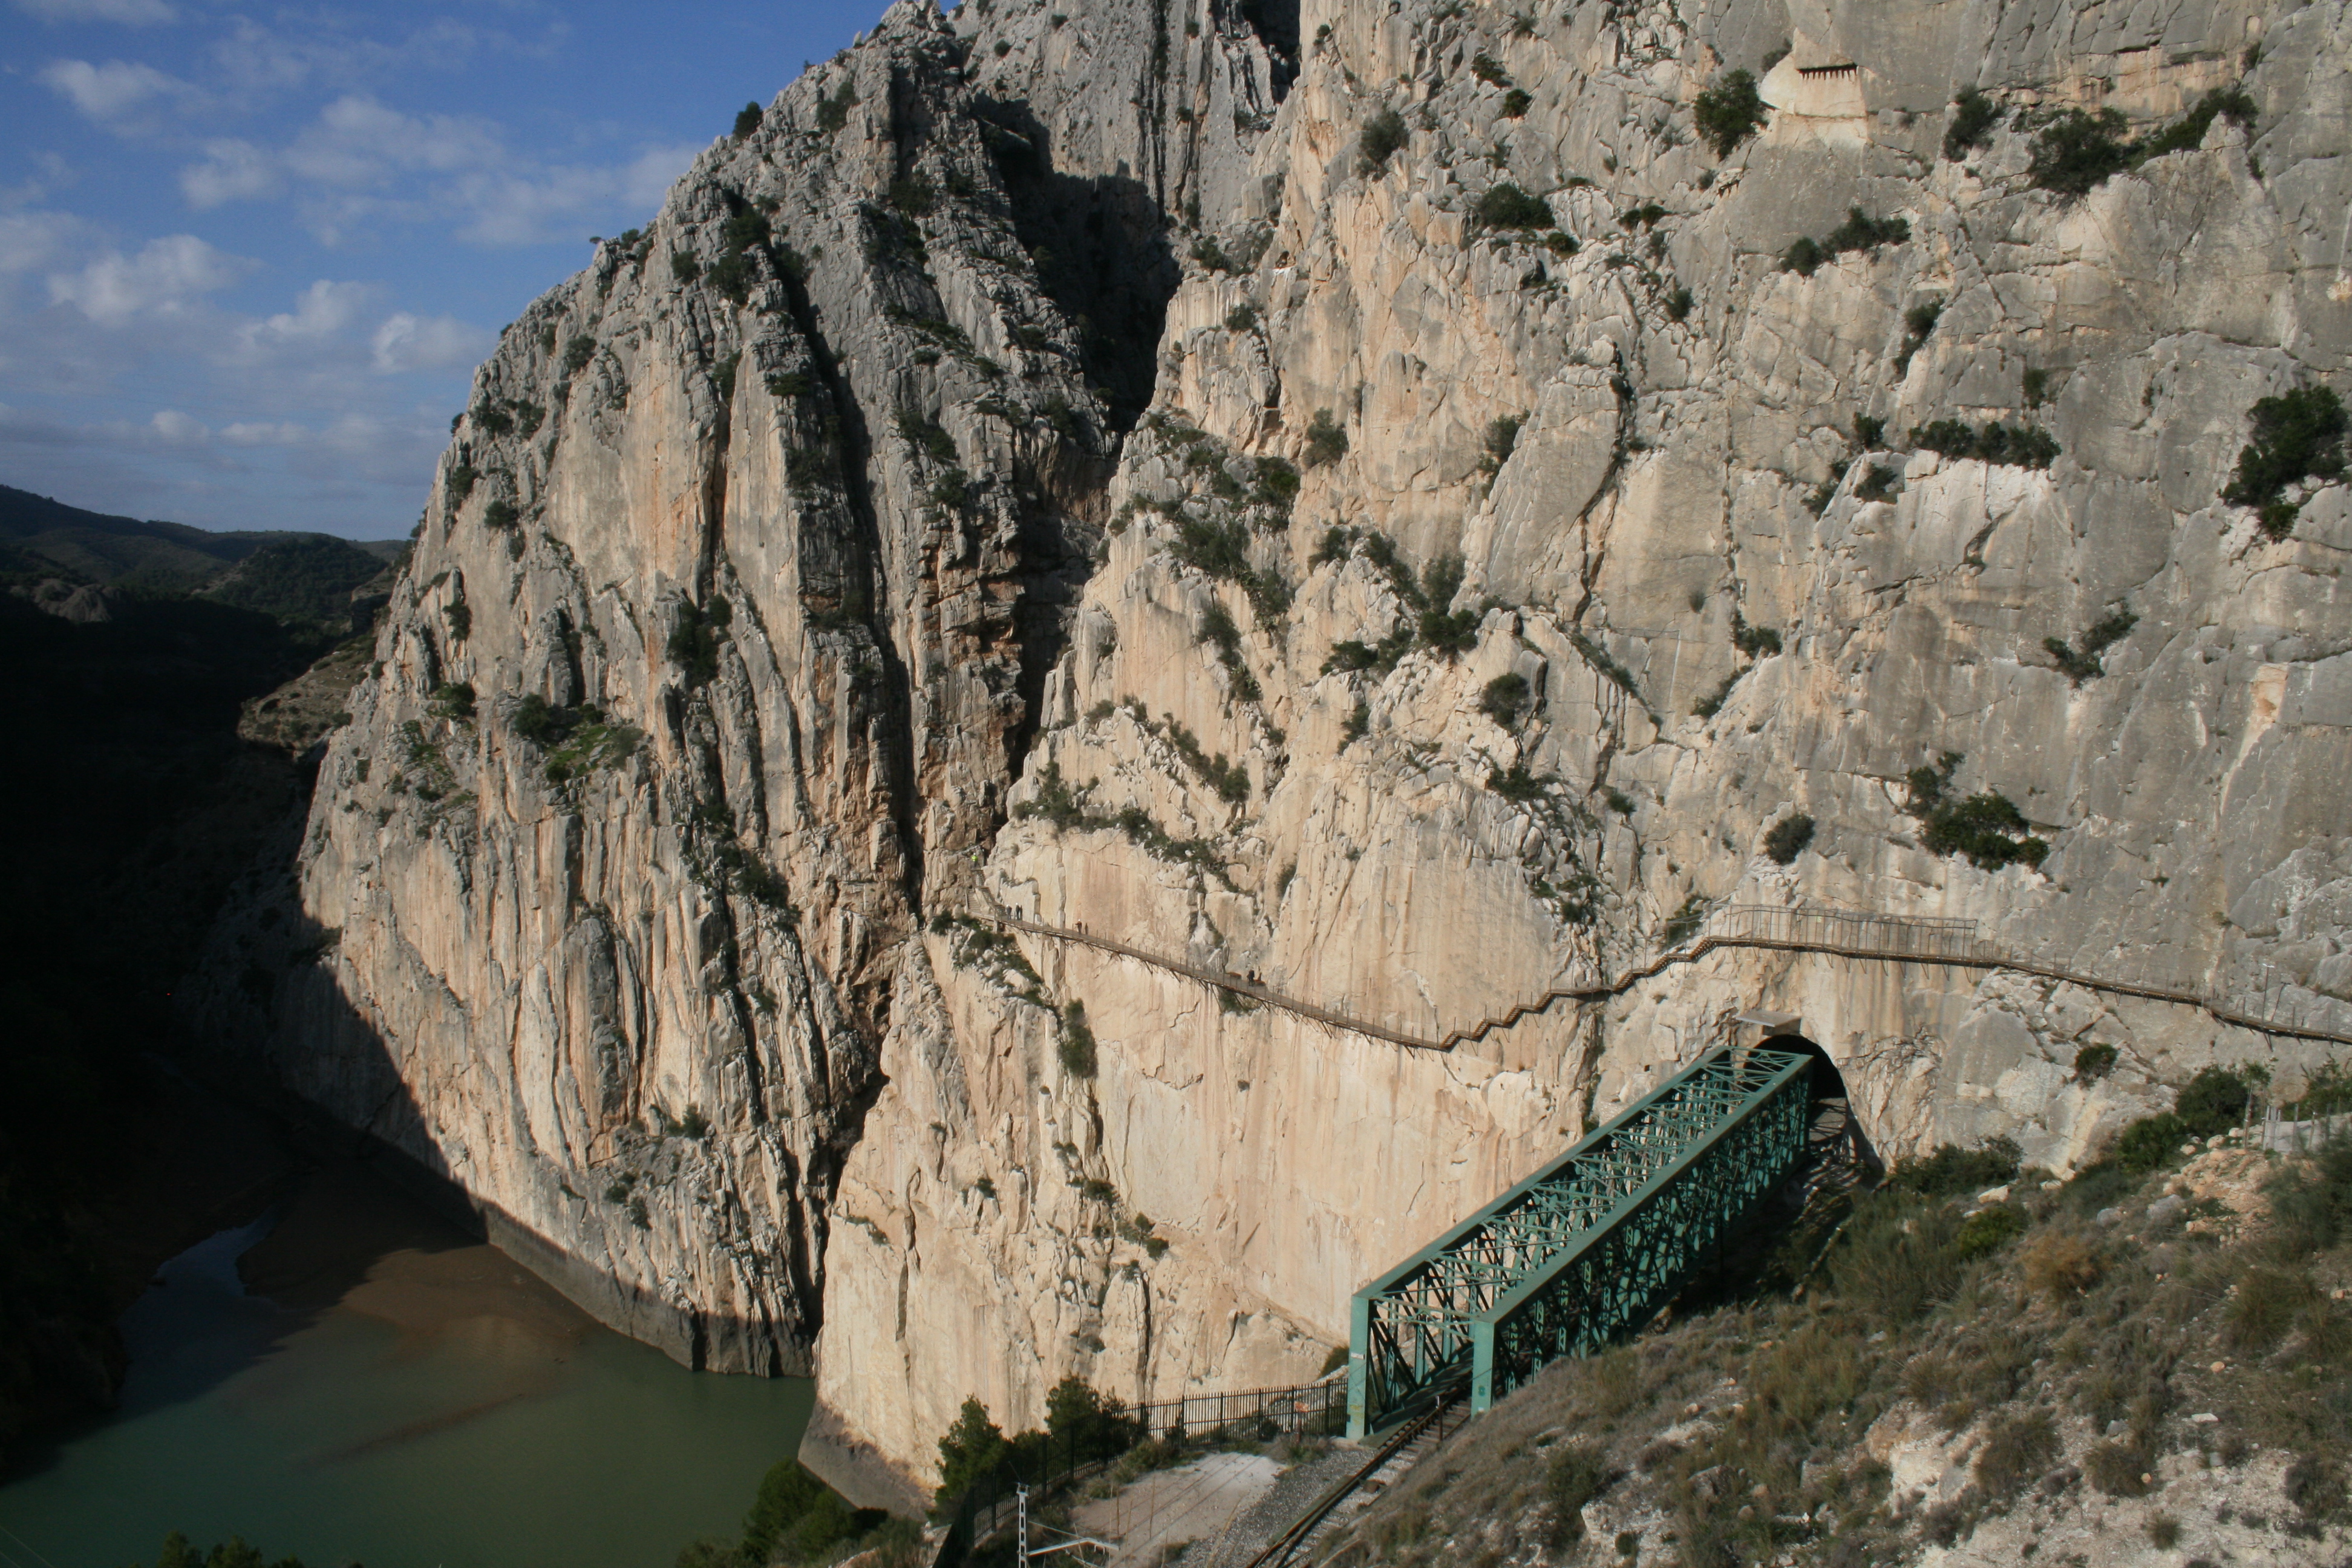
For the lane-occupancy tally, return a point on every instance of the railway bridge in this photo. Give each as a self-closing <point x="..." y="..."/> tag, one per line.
<point x="1591" y="1246"/>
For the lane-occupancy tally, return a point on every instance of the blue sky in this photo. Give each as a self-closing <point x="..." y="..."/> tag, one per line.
<point x="249" y="256"/>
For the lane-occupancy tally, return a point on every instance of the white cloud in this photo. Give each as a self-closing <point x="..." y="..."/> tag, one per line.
<point x="364" y="162"/>
<point x="232" y="171"/>
<point x="247" y="433"/>
<point x="319" y="313"/>
<point x="255" y="58"/>
<point x="178" y="430"/>
<point x="130" y="13"/>
<point x="526" y="206"/>
<point x="358" y="144"/>
<point x="646" y="182"/>
<point x="166" y="276"/>
<point x="111" y="90"/>
<point x="407" y="343"/>
<point x="30" y="241"/>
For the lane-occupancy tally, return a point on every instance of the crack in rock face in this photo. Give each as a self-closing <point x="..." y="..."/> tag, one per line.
<point x="1050" y="466"/>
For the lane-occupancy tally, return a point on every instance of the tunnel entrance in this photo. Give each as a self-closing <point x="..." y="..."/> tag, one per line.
<point x="1787" y="1237"/>
<point x="1834" y="1112"/>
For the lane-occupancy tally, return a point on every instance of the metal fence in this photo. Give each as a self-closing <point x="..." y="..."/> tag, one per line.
<point x="1208" y="1420"/>
<point x="1851" y="929"/>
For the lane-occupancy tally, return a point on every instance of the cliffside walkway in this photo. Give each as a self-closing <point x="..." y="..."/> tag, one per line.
<point x="1838" y="933"/>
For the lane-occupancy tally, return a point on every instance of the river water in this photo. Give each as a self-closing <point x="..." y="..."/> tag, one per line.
<point x="348" y="1380"/>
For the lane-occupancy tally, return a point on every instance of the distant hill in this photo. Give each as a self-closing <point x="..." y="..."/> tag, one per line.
<point x="294" y="576"/>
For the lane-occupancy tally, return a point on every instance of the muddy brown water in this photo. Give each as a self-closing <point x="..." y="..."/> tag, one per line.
<point x="349" y="1379"/>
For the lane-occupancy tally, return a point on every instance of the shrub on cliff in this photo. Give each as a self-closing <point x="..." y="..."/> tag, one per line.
<point x="1860" y="231"/>
<point x="1078" y="1041"/>
<point x="1382" y="137"/>
<point x="1987" y="828"/>
<point x="2021" y="445"/>
<point x="1444" y="631"/>
<point x="2077" y="151"/>
<point x="1730" y="113"/>
<point x="1505" y="700"/>
<point x="2297" y="435"/>
<point x="1506" y="205"/>
<point x="2187" y="134"/>
<point x="1325" y="441"/>
<point x="1955" y="1172"/>
<point x="453" y="700"/>
<point x="2079" y="664"/>
<point x="1787" y="838"/>
<point x="1974" y="116"/>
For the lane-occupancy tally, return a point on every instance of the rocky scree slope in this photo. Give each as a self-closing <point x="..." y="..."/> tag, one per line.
<point x="1522" y="551"/>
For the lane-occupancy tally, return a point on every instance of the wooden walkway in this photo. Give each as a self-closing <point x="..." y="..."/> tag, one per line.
<point x="1836" y="933"/>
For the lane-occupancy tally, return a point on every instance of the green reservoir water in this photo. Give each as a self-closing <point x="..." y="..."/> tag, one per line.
<point x="372" y="1387"/>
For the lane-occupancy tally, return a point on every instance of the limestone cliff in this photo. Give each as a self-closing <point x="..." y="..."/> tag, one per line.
<point x="1369" y="497"/>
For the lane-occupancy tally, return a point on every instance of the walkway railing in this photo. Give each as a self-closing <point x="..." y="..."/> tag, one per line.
<point x="1588" y="1249"/>
<point x="1841" y="933"/>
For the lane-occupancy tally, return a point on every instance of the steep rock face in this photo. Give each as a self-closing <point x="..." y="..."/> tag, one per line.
<point x="1459" y="619"/>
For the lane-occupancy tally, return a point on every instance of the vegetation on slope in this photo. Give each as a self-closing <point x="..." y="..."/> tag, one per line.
<point x="798" y="1521"/>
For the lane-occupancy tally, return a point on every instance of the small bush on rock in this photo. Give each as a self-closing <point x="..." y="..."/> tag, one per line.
<point x="1077" y="1043"/>
<point x="2297" y="435"/>
<point x="1382" y="137"/>
<point x="2078" y="151"/>
<point x="1954" y="1171"/>
<point x="1325" y="441"/>
<point x="1506" y="205"/>
<point x="2080" y="665"/>
<point x="1505" y="700"/>
<point x="1730" y="113"/>
<point x="1974" y="116"/>
<point x="1787" y="838"/>
<point x="2094" y="1060"/>
<point x="1860" y="231"/>
<point x="2021" y="445"/>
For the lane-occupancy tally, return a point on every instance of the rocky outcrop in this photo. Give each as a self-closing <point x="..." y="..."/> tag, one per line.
<point x="1049" y="465"/>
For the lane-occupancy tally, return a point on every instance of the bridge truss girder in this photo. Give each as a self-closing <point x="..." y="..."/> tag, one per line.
<point x="1590" y="1247"/>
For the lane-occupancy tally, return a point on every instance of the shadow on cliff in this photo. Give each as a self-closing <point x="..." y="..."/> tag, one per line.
<point x="1101" y="245"/>
<point x="274" y="1020"/>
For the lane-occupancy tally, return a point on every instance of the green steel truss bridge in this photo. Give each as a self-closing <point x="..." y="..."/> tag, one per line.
<point x="1587" y="1249"/>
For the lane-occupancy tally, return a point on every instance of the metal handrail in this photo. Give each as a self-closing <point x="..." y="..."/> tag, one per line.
<point x="1841" y="933"/>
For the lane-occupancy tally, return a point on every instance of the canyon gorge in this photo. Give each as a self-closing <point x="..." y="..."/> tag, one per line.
<point x="1422" y="504"/>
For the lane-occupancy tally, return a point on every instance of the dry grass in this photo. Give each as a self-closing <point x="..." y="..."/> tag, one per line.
<point x="2059" y="1263"/>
